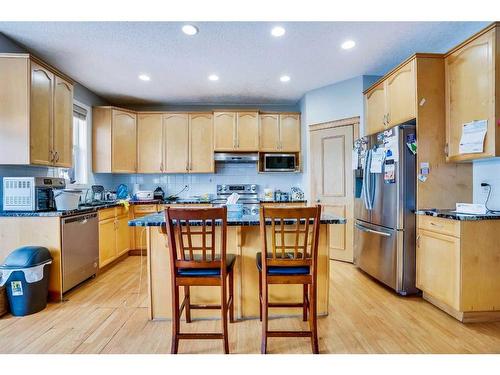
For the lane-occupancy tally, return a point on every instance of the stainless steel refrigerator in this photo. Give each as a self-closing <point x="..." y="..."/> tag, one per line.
<point x="384" y="228"/>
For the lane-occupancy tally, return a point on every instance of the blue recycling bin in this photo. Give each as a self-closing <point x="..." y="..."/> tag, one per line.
<point x="25" y="274"/>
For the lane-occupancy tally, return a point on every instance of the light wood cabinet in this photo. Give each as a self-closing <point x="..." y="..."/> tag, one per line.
<point x="36" y="113"/>
<point x="107" y="241"/>
<point x="224" y="131"/>
<point x="201" y="146"/>
<point x="269" y="132"/>
<point x="236" y="131"/>
<point x="123" y="142"/>
<point x="114" y="234"/>
<point x="279" y="132"/>
<point x="375" y="109"/>
<point x="458" y="266"/>
<point x="114" y="140"/>
<point x="41" y="115"/>
<point x="472" y="76"/>
<point x="392" y="101"/>
<point x="150" y="143"/>
<point x="63" y="123"/>
<point x="176" y="141"/>
<point x="401" y="95"/>
<point x="289" y="132"/>
<point x="138" y="242"/>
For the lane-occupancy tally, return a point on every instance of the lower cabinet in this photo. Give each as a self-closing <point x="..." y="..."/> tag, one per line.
<point x="114" y="234"/>
<point x="138" y="241"/>
<point x="458" y="266"/>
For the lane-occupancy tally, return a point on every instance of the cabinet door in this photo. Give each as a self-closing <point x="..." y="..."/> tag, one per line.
<point x="438" y="266"/>
<point x="122" y="235"/>
<point x="470" y="93"/>
<point x="63" y="123"/>
<point x="269" y="132"/>
<point x="201" y="147"/>
<point x="176" y="142"/>
<point x="41" y="115"/>
<point x="123" y="142"/>
<point x="149" y="143"/>
<point x="290" y="133"/>
<point x="224" y="131"/>
<point x="107" y="241"/>
<point x="375" y="110"/>
<point x="401" y="95"/>
<point x="247" y="138"/>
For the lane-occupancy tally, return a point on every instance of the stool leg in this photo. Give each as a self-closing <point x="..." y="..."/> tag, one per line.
<point x="263" y="346"/>
<point x="223" y="305"/>
<point x="313" y="319"/>
<point x="231" y="296"/>
<point x="187" y="306"/>
<point x="175" y="320"/>
<point x="304" y="302"/>
<point x="260" y="296"/>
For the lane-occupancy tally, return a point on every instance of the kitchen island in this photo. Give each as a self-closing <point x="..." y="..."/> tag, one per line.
<point x="243" y="240"/>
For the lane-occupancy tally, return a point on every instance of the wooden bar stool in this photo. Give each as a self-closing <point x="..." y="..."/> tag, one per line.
<point x="195" y="261"/>
<point x="293" y="260"/>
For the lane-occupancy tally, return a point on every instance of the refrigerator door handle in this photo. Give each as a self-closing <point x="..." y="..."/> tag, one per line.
<point x="365" y="229"/>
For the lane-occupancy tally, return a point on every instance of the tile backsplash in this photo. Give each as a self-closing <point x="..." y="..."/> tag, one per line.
<point x="206" y="183"/>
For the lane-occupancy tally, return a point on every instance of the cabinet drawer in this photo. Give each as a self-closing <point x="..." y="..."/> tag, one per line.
<point x="145" y="208"/>
<point x="439" y="225"/>
<point x="106" y="213"/>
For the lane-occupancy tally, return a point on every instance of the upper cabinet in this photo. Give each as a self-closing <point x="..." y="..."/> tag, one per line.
<point x="114" y="140"/>
<point x="236" y="131"/>
<point x="472" y="94"/>
<point x="391" y="101"/>
<point x="201" y="146"/>
<point x="176" y="142"/>
<point x="279" y="132"/>
<point x="36" y="115"/>
<point x="150" y="143"/>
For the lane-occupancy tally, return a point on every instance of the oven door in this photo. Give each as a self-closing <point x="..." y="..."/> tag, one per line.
<point x="279" y="163"/>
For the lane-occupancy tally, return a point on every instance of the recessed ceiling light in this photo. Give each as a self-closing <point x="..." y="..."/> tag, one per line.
<point x="285" y="78"/>
<point x="144" y="77"/>
<point x="189" y="29"/>
<point x="213" y="77"/>
<point x="278" y="31"/>
<point x="348" y="44"/>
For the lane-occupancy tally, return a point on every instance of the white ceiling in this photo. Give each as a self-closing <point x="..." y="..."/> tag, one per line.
<point x="107" y="57"/>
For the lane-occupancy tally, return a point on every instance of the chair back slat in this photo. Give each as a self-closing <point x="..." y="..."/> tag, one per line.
<point x="192" y="238"/>
<point x="293" y="247"/>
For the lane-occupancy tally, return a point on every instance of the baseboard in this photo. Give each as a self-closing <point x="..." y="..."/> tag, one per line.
<point x="135" y="252"/>
<point x="110" y="265"/>
<point x="464" y="316"/>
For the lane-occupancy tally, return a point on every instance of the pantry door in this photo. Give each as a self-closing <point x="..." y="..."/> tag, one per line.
<point x="331" y="179"/>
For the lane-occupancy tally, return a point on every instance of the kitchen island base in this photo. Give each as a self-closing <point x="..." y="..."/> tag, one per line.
<point x="244" y="242"/>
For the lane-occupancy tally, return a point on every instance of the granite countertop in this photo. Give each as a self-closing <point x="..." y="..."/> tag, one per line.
<point x="275" y="201"/>
<point x="156" y="220"/>
<point x="453" y="215"/>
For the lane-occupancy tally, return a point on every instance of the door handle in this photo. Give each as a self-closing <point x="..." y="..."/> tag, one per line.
<point x="318" y="200"/>
<point x="365" y="229"/>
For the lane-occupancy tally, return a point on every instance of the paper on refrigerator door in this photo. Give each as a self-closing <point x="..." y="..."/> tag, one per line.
<point x="391" y="148"/>
<point x="472" y="139"/>
<point x="378" y="157"/>
<point x="355" y="159"/>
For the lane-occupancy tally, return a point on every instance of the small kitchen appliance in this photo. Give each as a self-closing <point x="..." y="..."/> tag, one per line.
<point x="144" y="195"/>
<point x="30" y="193"/>
<point x="280" y="163"/>
<point x="97" y="193"/>
<point x="158" y="194"/>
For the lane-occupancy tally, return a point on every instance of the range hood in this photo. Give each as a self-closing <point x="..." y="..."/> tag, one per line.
<point x="233" y="157"/>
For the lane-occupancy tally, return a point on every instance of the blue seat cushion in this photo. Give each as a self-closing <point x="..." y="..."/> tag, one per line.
<point x="282" y="271"/>
<point x="230" y="259"/>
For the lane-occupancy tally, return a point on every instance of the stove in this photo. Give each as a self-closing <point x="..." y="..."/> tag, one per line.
<point x="249" y="196"/>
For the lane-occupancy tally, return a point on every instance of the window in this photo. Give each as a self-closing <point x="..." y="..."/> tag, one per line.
<point x="78" y="175"/>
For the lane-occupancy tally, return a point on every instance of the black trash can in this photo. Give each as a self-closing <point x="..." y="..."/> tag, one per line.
<point x="25" y="274"/>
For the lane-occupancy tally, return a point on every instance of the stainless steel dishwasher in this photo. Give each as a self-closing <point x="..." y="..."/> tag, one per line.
<point x="80" y="249"/>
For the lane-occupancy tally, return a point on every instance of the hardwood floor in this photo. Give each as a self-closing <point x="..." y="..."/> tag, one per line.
<point x="109" y="315"/>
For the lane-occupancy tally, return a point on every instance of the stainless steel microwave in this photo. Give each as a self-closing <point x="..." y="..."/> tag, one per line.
<point x="280" y="163"/>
